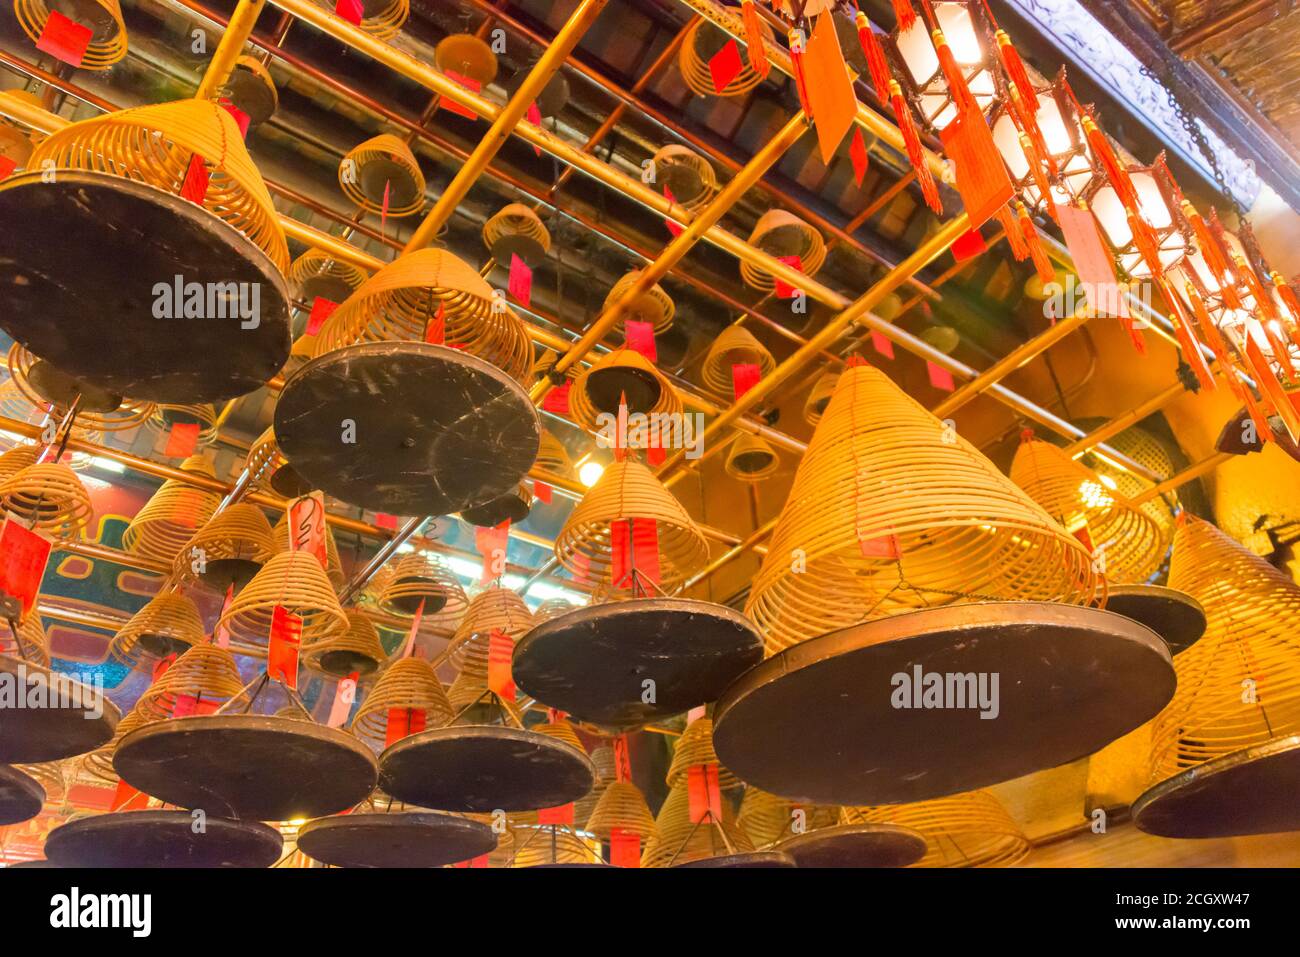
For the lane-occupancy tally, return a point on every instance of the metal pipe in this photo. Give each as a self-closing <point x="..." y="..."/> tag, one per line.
<point x="229" y="48"/>
<point x="1195" y="471"/>
<point x="385" y="552"/>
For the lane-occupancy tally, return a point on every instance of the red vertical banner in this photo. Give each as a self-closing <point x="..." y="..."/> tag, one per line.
<point x="435" y="332"/>
<point x="1092" y="263"/>
<point x="542" y="492"/>
<point x="344" y="696"/>
<point x="307" y="526"/>
<point x="222" y="635"/>
<point x="492" y="544"/>
<point x="622" y="760"/>
<point x="783" y="289"/>
<point x="561" y="814"/>
<point x="557" y="400"/>
<point x="413" y="630"/>
<point x="24" y="555"/>
<point x="704" y="792"/>
<point x="620" y="552"/>
<point x="321" y="309"/>
<point x="982" y="178"/>
<point x="64" y="39"/>
<point x="242" y="119"/>
<point x="521" y="281"/>
<point x="182" y="440"/>
<point x="282" y="652"/>
<point x="859" y="156"/>
<point x="195" y="186"/>
<point x="624" y="848"/>
<point x="501" y="648"/>
<point x="641" y="338"/>
<point x="403" y="722"/>
<point x="744" y="376"/>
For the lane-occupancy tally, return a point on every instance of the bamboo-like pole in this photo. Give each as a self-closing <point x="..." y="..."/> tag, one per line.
<point x="229" y="48"/>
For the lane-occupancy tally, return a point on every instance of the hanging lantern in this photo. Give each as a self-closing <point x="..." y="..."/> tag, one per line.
<point x="1159" y="210"/>
<point x="962" y="29"/>
<point x="1066" y="170"/>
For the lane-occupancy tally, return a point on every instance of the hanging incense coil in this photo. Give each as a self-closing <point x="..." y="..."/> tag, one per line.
<point x="400" y="301"/>
<point x="702" y="42"/>
<point x="492" y="609"/>
<point x="553" y="457"/>
<point x="687" y="175"/>
<point x="410" y="684"/>
<point x="468" y="55"/>
<point x="695" y="746"/>
<point x="333" y="564"/>
<point x="1145" y="449"/>
<point x="552" y="608"/>
<point x="602" y="758"/>
<point x="206" y="672"/>
<point x="618" y="374"/>
<point x="268" y="468"/>
<point x="421" y="578"/>
<point x="891" y="512"/>
<point x="204" y="416"/>
<point x="513" y="507"/>
<point x="622" y="806"/>
<point x="653" y="306"/>
<point x="735" y="345"/>
<point x="382" y="164"/>
<point x="296" y="581"/>
<point x="965" y="830"/>
<point x="535" y="846"/>
<point x="783" y="234"/>
<point x="1121" y="533"/>
<point x="172" y="515"/>
<point x="751" y="459"/>
<point x="47" y="496"/>
<point x="766" y="818"/>
<point x="98" y="764"/>
<point x="251" y="90"/>
<point x="155" y="144"/>
<point x="515" y="230"/>
<point x="230" y="548"/>
<point x="129" y="414"/>
<point x="629" y="490"/>
<point x="318" y="275"/>
<point x="32" y="644"/>
<point x="18" y="458"/>
<point x="169" y="622"/>
<point x="383" y="19"/>
<point x="357" y="649"/>
<point x="814" y="406"/>
<point x="108" y="40"/>
<point x="561" y="730"/>
<point x="676" y="840"/>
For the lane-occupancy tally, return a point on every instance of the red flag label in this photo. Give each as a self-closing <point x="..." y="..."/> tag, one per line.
<point x="282" y="653"/>
<point x="501" y="648"/>
<point x="64" y="39"/>
<point x="24" y="553"/>
<point x="307" y="526"/>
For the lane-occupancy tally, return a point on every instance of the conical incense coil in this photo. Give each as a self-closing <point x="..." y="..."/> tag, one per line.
<point x="48" y="496"/>
<point x="551" y="844"/>
<point x="421" y="578"/>
<point x="751" y="459"/>
<point x="333" y="565"/>
<point x="734" y="346"/>
<point x="602" y="757"/>
<point x="492" y="609"/>
<point x="628" y="490"/>
<point x="98" y="764"/>
<point x="653" y="306"/>
<point x="409" y="684"/>
<point x="238" y="531"/>
<point x="52" y="776"/>
<point x="32" y="644"/>
<point x="383" y="163"/>
<point x="676" y="165"/>
<point x="206" y="673"/>
<point x="622" y="806"/>
<point x="172" y="515"/>
<point x="264" y="459"/>
<point x="814" y="406"/>
<point x="891" y="511"/>
<point x="1126" y="541"/>
<point x="468" y="55"/>
<point x="695" y="746"/>
<point x="204" y="416"/>
<point x="250" y="88"/>
<point x="108" y="40"/>
<point x="1145" y="449"/>
<point x="296" y="581"/>
<point x="18" y="458"/>
<point x="358" y="645"/>
<point x="702" y="41"/>
<point x="128" y="415"/>
<point x="676" y="840"/>
<point x="317" y="273"/>
<point x="155" y="144"/>
<point x="512" y="223"/>
<point x="402" y="299"/>
<point x="598" y="389"/>
<point x="561" y="730"/>
<point x="552" y="608"/>
<point x="964" y="830"/>
<point x="1239" y="686"/>
<point x="167" y="620"/>
<point x="552" y="457"/>
<point x="783" y="234"/>
<point x="766" y="818"/>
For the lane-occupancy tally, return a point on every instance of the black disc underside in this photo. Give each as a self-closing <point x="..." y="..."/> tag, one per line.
<point x="509" y="506"/>
<point x="483" y="768"/>
<point x="1251" y="791"/>
<point x="625" y="663"/>
<point x="891" y="711"/>
<point x="342" y="663"/>
<point x="436" y="430"/>
<point x="517" y="244"/>
<point x="683" y="181"/>
<point x="160" y="646"/>
<point x="380" y="173"/>
<point x="162" y="839"/>
<point x="21" y="796"/>
<point x="250" y="767"/>
<point x="607" y="388"/>
<point x="324" y="286"/>
<point x="55" y="385"/>
<point x="77" y="288"/>
<point x="744" y="859"/>
<point x="251" y="94"/>
<point x="1175" y="616"/>
<point x="856" y="845"/>
<point x="405" y="839"/>
<point x="221" y="573"/>
<point x="47" y="716"/>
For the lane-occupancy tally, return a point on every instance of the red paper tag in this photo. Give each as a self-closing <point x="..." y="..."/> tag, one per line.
<point x="968" y="245"/>
<point x="64" y="39"/>
<point x="492" y="544"/>
<point x="127" y="798"/>
<point x="161" y="667"/>
<point x="859" y="155"/>
<point x="414" y="630"/>
<point x="7" y="167"/>
<point x="521" y="281"/>
<point x="624" y="848"/>
<point x="561" y="814"/>
<point x="242" y="119"/>
<point x="435" y="332"/>
<point x="703" y="792"/>
<point x="1082" y="534"/>
<point x="885" y="546"/>
<point x="832" y="104"/>
<point x="307" y="526"/>
<point x="182" y="440"/>
<point x="184" y="705"/>
<point x="744" y="376"/>
<point x="282" y="653"/>
<point x="724" y="66"/>
<point x="940" y="377"/>
<point x="641" y="338"/>
<point x="403" y="722"/>
<point x="783" y="289"/>
<point x="982" y="178"/>
<point x="634" y="544"/>
<point x="321" y="309"/>
<point x="344" y="697"/>
<point x="350" y="10"/>
<point x="622" y="761"/>
<point x="557" y="400"/>
<point x="880" y="342"/>
<point x="383" y="209"/>
<point x="542" y="492"/>
<point x="654" y="452"/>
<point x="673" y="228"/>
<point x="1092" y="263"/>
<point x="195" y="186"/>
<point x="384" y="520"/>
<point x="23" y="556"/>
<point x="480" y="861"/>
<point x="501" y="648"/>
<point x="469" y="83"/>
<point x="534" y="116"/>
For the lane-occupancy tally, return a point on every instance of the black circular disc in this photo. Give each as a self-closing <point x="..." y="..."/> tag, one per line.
<point x="856" y="845"/>
<point x="98" y="255"/>
<point x="405" y="839"/>
<point x="162" y="839"/>
<point x="787" y="240"/>
<point x="744" y="859"/>
<point x="483" y="768"/>
<point x="47" y="716"/>
<point x="408" y="605"/>
<point x="220" y="573"/>
<point x="324" y="286"/>
<point x="380" y="172"/>
<point x="251" y="94"/>
<point x="248" y="766"/>
<point x="1175" y="616"/>
<point x="343" y="663"/>
<point x="160" y="646"/>
<point x="509" y="506"/>
<point x="55" y="385"/>
<point x="517" y="244"/>
<point x="436" y="430"/>
<point x="835" y="720"/>
<point x="606" y="388"/>
<point x="287" y="482"/>
<point x="683" y="180"/>
<point x="1251" y="791"/>
<point x="594" y="662"/>
<point x="21" y="796"/>
<point x="752" y="461"/>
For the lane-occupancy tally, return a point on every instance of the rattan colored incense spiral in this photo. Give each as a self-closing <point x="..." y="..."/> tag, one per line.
<point x="702" y="42"/>
<point x="751" y="459"/>
<point x="164" y="417"/>
<point x="783" y="234"/>
<point x="677" y="840"/>
<point x="734" y="346"/>
<point x="687" y="174"/>
<point x="172" y="515"/>
<point x="168" y="622"/>
<point x="238" y="533"/>
<point x="695" y="746"/>
<point x="155" y="144"/>
<point x="552" y="608"/>
<point x="1121" y="533"/>
<point x="516" y="230"/>
<point x="536" y="845"/>
<point x="493" y="609"/>
<point x="108" y="40"/>
<point x="333" y="564"/>
<point x="622" y="806"/>
<point x="206" y="673"/>
<point x="883" y="477"/>
<point x="383" y="164"/>
<point x="98" y="764"/>
<point x="382" y="19"/>
<point x="18" y="458"/>
<point x="399" y="302"/>
<point x="296" y="581"/>
<point x="602" y="757"/>
<point x="315" y="273"/>
<point x="47" y="496"/>
<point x="128" y="415"/>
<point x="653" y="306"/>
<point x="32" y="643"/>
<point x="819" y="397"/>
<point x="621" y="372"/>
<point x="628" y="490"/>
<point x="421" y="577"/>
<point x="1144" y="448"/>
<point x="552" y="457"/>
<point x="357" y="649"/>
<point x="964" y="830"/>
<point x="407" y="685"/>
<point x="767" y="819"/>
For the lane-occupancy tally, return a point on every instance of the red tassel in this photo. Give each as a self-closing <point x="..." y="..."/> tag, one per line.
<point x="1042" y="265"/>
<point x="1115" y="171"/>
<point x="1015" y="68"/>
<point x="905" y="15"/>
<point x="754" y="39"/>
<point x="1147" y="243"/>
<point x="914" y="152"/>
<point x="1207" y="329"/>
<point x="796" y="60"/>
<point x="1208" y="244"/>
<point x="1012" y="230"/>
<point x="875" y="54"/>
<point x="1190" y="347"/>
<point x="961" y="95"/>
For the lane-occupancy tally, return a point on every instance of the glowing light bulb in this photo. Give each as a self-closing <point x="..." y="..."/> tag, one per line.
<point x="590" y="473"/>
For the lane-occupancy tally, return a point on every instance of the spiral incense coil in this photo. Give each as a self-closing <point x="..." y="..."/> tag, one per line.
<point x="622" y="372"/>
<point x="358" y="645"/>
<point x="552" y="457"/>
<point x="626" y="490"/>
<point x="383" y="19"/>
<point x="676" y="840"/>
<point x="35" y="645"/>
<point x="1121" y="533"/>
<point x="964" y="830"/>
<point x="551" y="844"/>
<point x="561" y="730"/>
<point x="47" y="496"/>
<point x="676" y="164"/>
<point x="239" y="531"/>
<point x="204" y="416"/>
<point x="207" y="672"/>
<point x="653" y="306"/>
<point x="155" y="144"/>
<point x="492" y="609"/>
<point x="1145" y="449"/>
<point x="782" y="234"/>
<point x="172" y="515"/>
<point x="468" y="55"/>
<point x="128" y="415"/>
<point x="814" y="406"/>
<point x="103" y="18"/>
<point x="317" y="273"/>
<point x="296" y="581"/>
<point x="514" y="223"/>
<point x="766" y="818"/>
<point x="702" y="41"/>
<point x="890" y="511"/>
<point x="552" y="608"/>
<point x="16" y="459"/>
<point x="751" y="459"/>
<point x="52" y="776"/>
<point x="409" y="684"/>
<point x="262" y="88"/>
<point x="1249" y="645"/>
<point x="602" y="757"/>
<point x="735" y="345"/>
<point x="623" y="806"/>
<point x="422" y="577"/>
<point x="695" y="746"/>
<point x="264" y="459"/>
<point x="333" y="564"/>
<point x="383" y="162"/>
<point x="399" y="302"/>
<point x="98" y="764"/>
<point x="167" y="620"/>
